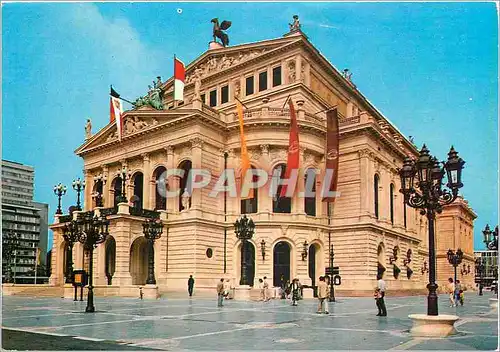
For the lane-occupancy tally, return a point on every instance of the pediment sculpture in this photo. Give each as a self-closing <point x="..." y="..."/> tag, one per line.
<point x="133" y="124"/>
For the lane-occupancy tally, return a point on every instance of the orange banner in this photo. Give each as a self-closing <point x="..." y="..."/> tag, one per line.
<point x="245" y="161"/>
<point x="293" y="148"/>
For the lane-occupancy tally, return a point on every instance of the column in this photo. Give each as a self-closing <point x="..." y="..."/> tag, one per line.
<point x="233" y="206"/>
<point x="264" y="200"/>
<point x="298" y="69"/>
<point x="146" y="182"/>
<point x="121" y="233"/>
<point x="171" y="201"/>
<point x="87" y="191"/>
<point x="105" y="187"/>
<point x="307" y="74"/>
<point x="298" y="202"/>
<point x="196" y="150"/>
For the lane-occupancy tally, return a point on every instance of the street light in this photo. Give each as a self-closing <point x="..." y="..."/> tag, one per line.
<point x="78" y="186"/>
<point x="491" y="238"/>
<point x="421" y="185"/>
<point x="332" y="293"/>
<point x="152" y="229"/>
<point x="59" y="191"/>
<point x="244" y="229"/>
<point x="123" y="173"/>
<point x="70" y="235"/>
<point x="92" y="230"/>
<point x="98" y="195"/>
<point x="263" y="249"/>
<point x="455" y="259"/>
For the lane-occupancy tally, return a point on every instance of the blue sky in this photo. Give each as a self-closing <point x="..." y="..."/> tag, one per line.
<point x="431" y="68"/>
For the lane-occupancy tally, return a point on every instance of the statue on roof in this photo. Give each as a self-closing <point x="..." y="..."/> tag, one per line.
<point x="218" y="31"/>
<point x="88" y="129"/>
<point x="295" y="26"/>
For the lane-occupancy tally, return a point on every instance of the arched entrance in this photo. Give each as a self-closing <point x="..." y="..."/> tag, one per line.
<point x="281" y="263"/>
<point x="138" y="190"/>
<point x="139" y="261"/>
<point x="110" y="259"/>
<point x="314" y="268"/>
<point x="250" y="262"/>
<point x="381" y="260"/>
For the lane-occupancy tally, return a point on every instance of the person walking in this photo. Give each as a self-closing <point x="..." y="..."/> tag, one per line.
<point x="322" y="291"/>
<point x="265" y="287"/>
<point x="450" y="288"/>
<point x="220" y="292"/>
<point x="190" y="285"/>
<point x="458" y="294"/>
<point x="380" y="302"/>
<point x="327" y="299"/>
<point x="295" y="287"/>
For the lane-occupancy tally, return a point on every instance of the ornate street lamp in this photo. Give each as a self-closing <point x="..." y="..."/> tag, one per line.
<point x="152" y="229"/>
<point x="78" y="186"/>
<point x="124" y="175"/>
<point x="421" y="183"/>
<point x="455" y="259"/>
<point x="244" y="229"/>
<point x="59" y="191"/>
<point x="92" y="230"/>
<point x="70" y="235"/>
<point x="332" y="293"/>
<point x="491" y="238"/>
<point x="98" y="195"/>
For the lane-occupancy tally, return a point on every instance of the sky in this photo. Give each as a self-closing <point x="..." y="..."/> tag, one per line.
<point x="431" y="68"/>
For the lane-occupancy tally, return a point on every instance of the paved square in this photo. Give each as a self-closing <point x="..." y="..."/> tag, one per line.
<point x="197" y="324"/>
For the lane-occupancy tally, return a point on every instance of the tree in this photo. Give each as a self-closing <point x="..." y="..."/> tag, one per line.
<point x="10" y="243"/>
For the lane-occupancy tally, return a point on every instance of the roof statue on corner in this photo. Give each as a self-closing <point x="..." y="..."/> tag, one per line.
<point x="295" y="26"/>
<point x="218" y="31"/>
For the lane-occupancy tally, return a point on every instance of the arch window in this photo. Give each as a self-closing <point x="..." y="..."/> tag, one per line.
<point x="185" y="183"/>
<point x="249" y="205"/>
<point x="117" y="190"/>
<point x="281" y="204"/>
<point x="160" y="188"/>
<point x="138" y="190"/>
<point x="376" y="181"/>
<point x="391" y="202"/>
<point x="310" y="192"/>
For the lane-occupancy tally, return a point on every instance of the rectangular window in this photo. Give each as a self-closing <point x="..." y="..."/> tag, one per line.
<point x="249" y="85"/>
<point x="262" y="81"/>
<point x="213" y="98"/>
<point x="224" y="94"/>
<point x="276" y="76"/>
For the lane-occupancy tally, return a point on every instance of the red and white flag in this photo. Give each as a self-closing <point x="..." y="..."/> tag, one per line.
<point x="116" y="111"/>
<point x="179" y="78"/>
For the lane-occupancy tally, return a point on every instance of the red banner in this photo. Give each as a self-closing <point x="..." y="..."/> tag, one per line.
<point x="332" y="155"/>
<point x="293" y="148"/>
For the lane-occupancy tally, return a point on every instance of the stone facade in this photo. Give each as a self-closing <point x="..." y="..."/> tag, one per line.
<point x="205" y="128"/>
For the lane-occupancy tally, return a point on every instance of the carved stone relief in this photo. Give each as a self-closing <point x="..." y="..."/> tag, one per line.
<point x="291" y="71"/>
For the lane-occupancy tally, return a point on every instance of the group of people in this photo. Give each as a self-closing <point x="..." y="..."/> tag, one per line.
<point x="456" y="293"/>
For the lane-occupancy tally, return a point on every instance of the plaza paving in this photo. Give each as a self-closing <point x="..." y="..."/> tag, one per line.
<point x="197" y="324"/>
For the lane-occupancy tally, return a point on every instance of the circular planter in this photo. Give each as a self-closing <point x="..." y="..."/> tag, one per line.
<point x="433" y="325"/>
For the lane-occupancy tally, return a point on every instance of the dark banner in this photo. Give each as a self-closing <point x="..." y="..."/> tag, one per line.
<point x="332" y="155"/>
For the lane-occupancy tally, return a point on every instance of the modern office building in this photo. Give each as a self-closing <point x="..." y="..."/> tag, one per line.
<point x="23" y="217"/>
<point x="489" y="259"/>
<point x="372" y="230"/>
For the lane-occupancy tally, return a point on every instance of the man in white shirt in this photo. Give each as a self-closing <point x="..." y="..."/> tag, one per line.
<point x="265" y="287"/>
<point x="382" y="311"/>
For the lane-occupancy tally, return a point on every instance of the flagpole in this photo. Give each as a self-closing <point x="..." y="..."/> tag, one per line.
<point x="242" y="103"/>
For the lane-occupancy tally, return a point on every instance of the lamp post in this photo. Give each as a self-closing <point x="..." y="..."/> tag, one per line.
<point x="92" y="230"/>
<point x="332" y="293"/>
<point x="244" y="229"/>
<point x="98" y="195"/>
<point x="70" y="235"/>
<point x="491" y="238"/>
<point x="263" y="249"/>
<point x="59" y="191"/>
<point x="123" y="173"/>
<point x="78" y="186"/>
<point x="421" y="185"/>
<point x="152" y="229"/>
<point x="455" y="259"/>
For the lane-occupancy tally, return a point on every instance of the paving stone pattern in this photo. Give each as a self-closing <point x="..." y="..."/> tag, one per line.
<point x="198" y="324"/>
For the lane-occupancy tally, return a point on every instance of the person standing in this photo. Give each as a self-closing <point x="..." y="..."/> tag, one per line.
<point x="381" y="302"/>
<point x="190" y="285"/>
<point x="458" y="292"/>
<point x="327" y="298"/>
<point x="265" y="287"/>
<point x="322" y="291"/>
<point x="295" y="291"/>
<point x="261" y="288"/>
<point x="450" y="288"/>
<point x="220" y="292"/>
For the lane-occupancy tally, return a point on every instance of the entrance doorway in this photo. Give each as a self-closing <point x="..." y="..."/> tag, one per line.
<point x="312" y="264"/>
<point x="110" y="259"/>
<point x="250" y="261"/>
<point x="281" y="261"/>
<point x="139" y="261"/>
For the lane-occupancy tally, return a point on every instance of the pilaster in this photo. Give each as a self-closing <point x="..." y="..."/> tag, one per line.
<point x="107" y="200"/>
<point x="196" y="152"/>
<point x="146" y="183"/>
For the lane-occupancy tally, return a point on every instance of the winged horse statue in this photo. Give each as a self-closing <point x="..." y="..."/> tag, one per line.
<point x="218" y="30"/>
